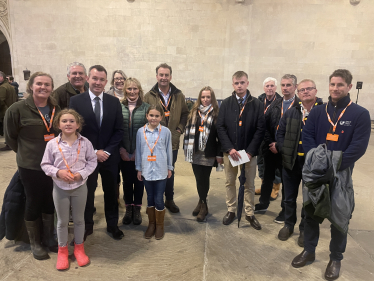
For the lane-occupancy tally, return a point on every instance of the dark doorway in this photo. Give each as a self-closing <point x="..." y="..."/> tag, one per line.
<point x="5" y="60"/>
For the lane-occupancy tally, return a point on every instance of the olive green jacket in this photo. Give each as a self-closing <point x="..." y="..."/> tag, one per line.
<point x="8" y="96"/>
<point x="138" y="120"/>
<point x="24" y="132"/>
<point x="63" y="94"/>
<point x="178" y="111"/>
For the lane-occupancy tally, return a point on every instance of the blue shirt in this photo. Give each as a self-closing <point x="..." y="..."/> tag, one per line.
<point x="154" y="170"/>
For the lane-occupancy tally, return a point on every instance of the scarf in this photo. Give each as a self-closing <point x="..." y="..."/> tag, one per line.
<point x="206" y="113"/>
<point x="131" y="104"/>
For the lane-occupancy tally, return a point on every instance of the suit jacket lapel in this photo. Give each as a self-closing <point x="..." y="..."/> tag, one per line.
<point x="106" y="108"/>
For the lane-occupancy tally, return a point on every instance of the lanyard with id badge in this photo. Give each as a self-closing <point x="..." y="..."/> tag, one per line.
<point x="241" y="112"/>
<point x="167" y="112"/>
<point x="48" y="137"/>
<point x="151" y="158"/>
<point x="333" y="136"/>
<point x="201" y="128"/>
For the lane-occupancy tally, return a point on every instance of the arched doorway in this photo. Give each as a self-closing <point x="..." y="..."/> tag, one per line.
<point x="5" y="58"/>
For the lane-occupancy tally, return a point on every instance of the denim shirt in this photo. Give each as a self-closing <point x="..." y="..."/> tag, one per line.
<point x="154" y="170"/>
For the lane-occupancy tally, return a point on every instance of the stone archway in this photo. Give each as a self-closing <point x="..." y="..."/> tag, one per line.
<point x="5" y="43"/>
<point x="5" y="57"/>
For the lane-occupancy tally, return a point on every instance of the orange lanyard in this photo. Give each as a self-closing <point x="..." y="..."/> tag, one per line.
<point x="50" y="122"/>
<point x="287" y="108"/>
<point x="340" y="116"/>
<point x="241" y="111"/>
<point x="166" y="107"/>
<point x="63" y="157"/>
<point x="145" y="137"/>
<point x="205" y="117"/>
<point x="269" y="104"/>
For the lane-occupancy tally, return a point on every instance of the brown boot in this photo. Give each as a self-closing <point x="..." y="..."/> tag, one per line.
<point x="160" y="233"/>
<point x="197" y="209"/>
<point x="203" y="212"/>
<point x="151" y="223"/>
<point x="275" y="191"/>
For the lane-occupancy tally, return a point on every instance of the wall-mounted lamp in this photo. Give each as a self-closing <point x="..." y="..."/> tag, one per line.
<point x="355" y="2"/>
<point x="239" y="1"/>
<point x="26" y="74"/>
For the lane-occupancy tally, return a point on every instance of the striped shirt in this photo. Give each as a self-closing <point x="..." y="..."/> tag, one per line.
<point x="154" y="170"/>
<point x="52" y="160"/>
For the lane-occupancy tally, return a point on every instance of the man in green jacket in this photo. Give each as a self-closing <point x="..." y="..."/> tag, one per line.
<point x="77" y="76"/>
<point x="8" y="96"/>
<point x="175" y="114"/>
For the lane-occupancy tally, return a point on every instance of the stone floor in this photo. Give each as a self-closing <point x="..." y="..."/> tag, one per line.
<point x="201" y="251"/>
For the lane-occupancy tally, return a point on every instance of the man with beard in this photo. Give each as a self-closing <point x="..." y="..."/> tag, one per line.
<point x="77" y="76"/>
<point x="175" y="114"/>
<point x="269" y="95"/>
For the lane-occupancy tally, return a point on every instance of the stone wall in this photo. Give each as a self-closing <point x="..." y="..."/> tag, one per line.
<point x="205" y="41"/>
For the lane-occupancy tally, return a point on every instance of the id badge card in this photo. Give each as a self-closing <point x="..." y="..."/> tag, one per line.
<point x="332" y="137"/>
<point x="240" y="123"/>
<point x="201" y="129"/>
<point x="151" y="158"/>
<point x="49" y="137"/>
<point x="167" y="113"/>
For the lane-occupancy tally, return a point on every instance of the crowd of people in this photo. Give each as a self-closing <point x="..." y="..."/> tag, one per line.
<point x="65" y="138"/>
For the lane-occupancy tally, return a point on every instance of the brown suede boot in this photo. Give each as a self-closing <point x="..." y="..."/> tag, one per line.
<point x="160" y="233"/>
<point x="275" y="191"/>
<point x="203" y="212"/>
<point x="197" y="209"/>
<point x="151" y="223"/>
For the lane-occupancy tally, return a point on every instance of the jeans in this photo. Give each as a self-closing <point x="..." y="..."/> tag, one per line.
<point x="155" y="193"/>
<point x="38" y="190"/>
<point x="76" y="198"/>
<point x="169" y="190"/>
<point x="202" y="176"/>
<point x="272" y="163"/>
<point x="133" y="189"/>
<point x="338" y="240"/>
<point x="291" y="181"/>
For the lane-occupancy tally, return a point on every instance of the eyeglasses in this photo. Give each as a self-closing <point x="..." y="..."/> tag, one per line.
<point x="119" y="79"/>
<point x="302" y="90"/>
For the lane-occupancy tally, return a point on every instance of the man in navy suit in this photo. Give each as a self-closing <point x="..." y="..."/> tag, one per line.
<point x="104" y="128"/>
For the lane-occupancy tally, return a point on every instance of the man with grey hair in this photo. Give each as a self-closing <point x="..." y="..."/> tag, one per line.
<point x="8" y="96"/>
<point x="77" y="76"/>
<point x="270" y="149"/>
<point x="267" y="98"/>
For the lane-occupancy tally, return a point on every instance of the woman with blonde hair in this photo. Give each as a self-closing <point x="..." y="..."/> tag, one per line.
<point x="201" y="145"/>
<point x="134" y="117"/>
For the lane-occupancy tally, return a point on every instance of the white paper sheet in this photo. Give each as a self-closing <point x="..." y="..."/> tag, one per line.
<point x="244" y="158"/>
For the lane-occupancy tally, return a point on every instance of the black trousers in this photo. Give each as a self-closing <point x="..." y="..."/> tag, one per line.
<point x="38" y="190"/>
<point x="291" y="183"/>
<point x="338" y="240"/>
<point x="109" y="176"/>
<point x="272" y="163"/>
<point x="202" y="176"/>
<point x="169" y="190"/>
<point x="133" y="189"/>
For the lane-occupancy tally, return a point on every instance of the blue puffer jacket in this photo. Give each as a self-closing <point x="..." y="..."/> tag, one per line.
<point x="353" y="129"/>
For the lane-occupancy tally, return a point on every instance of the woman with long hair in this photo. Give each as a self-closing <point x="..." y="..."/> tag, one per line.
<point x="201" y="145"/>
